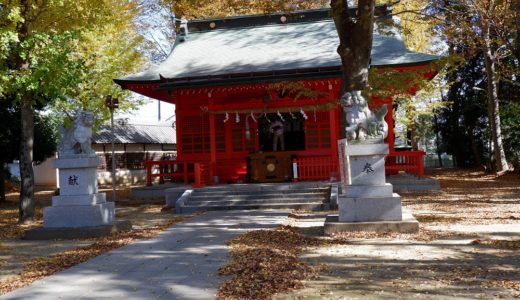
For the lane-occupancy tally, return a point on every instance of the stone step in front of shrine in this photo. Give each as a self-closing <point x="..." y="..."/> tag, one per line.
<point x="259" y="195"/>
<point x="252" y="201"/>
<point x="249" y="197"/>
<point x="264" y="187"/>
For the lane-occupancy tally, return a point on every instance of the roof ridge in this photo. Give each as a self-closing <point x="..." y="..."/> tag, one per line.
<point x="275" y="18"/>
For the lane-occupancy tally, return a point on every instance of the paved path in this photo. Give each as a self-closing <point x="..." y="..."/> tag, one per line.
<point x="180" y="263"/>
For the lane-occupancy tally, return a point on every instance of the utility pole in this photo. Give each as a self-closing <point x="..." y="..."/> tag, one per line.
<point x="159" y="110"/>
<point x="112" y="104"/>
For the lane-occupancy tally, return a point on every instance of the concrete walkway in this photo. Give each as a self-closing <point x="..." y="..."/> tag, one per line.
<point x="180" y="263"/>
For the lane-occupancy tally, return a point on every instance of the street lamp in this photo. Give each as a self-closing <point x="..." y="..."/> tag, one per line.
<point x="112" y="103"/>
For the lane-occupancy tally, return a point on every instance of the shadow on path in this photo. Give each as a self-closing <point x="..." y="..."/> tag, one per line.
<point x="180" y="263"/>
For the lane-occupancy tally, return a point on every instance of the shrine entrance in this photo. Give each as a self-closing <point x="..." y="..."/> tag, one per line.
<point x="293" y="132"/>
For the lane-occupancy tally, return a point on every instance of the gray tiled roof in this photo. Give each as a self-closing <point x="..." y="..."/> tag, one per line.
<point x="269" y="48"/>
<point x="136" y="134"/>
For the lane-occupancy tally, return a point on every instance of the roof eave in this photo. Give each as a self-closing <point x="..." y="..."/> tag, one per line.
<point x="266" y="77"/>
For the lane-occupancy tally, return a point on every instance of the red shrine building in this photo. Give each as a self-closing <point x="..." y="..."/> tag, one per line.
<point x="231" y="79"/>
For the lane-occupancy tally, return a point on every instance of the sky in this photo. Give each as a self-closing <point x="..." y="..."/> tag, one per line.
<point x="149" y="113"/>
<point x="157" y="26"/>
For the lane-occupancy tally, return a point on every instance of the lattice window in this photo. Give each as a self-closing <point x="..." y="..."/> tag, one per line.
<point x="195" y="134"/>
<point x="238" y="135"/>
<point x="220" y="133"/>
<point x="317" y="133"/>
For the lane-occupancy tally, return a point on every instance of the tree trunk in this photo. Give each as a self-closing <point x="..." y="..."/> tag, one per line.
<point x="413" y="139"/>
<point x="493" y="107"/>
<point x="26" y="211"/>
<point x="26" y="205"/>
<point x="473" y="146"/>
<point x="355" y="39"/>
<point x="2" y="183"/>
<point x="437" y="139"/>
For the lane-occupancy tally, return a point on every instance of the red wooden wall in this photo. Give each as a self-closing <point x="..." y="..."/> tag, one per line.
<point x="201" y="111"/>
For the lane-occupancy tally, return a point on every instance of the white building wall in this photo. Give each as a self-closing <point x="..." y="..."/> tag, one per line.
<point x="45" y="173"/>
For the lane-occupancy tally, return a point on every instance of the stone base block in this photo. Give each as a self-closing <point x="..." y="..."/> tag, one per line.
<point x="77" y="162"/>
<point x="93" y="199"/>
<point x="43" y="233"/>
<point x="367" y="170"/>
<point x="370" y="209"/>
<point x="372" y="191"/>
<point x="78" y="181"/>
<point x="366" y="149"/>
<point x="408" y="224"/>
<point x="79" y="215"/>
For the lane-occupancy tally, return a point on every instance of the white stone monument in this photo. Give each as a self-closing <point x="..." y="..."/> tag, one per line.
<point x="80" y="210"/>
<point x="367" y="202"/>
<point x="367" y="196"/>
<point x="79" y="203"/>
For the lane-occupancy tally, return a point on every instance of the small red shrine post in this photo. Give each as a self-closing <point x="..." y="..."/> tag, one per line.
<point x="334" y="137"/>
<point x="213" y="148"/>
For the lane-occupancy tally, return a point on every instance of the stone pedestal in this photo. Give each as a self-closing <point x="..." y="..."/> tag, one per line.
<point x="79" y="203"/>
<point x="367" y="202"/>
<point x="367" y="196"/>
<point x="79" y="211"/>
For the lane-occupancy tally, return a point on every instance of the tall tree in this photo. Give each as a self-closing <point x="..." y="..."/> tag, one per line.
<point x="516" y="12"/>
<point x="198" y="9"/>
<point x="35" y="66"/>
<point x="355" y="41"/>
<point x="463" y="121"/>
<point x="41" y="61"/>
<point x="45" y="136"/>
<point x="108" y="50"/>
<point x="486" y="27"/>
<point x="417" y="28"/>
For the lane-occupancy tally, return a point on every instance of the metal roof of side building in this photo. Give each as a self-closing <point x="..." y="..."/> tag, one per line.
<point x="136" y="134"/>
<point x="216" y="48"/>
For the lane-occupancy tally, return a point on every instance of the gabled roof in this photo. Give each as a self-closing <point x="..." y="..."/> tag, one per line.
<point x="241" y="52"/>
<point x="136" y="134"/>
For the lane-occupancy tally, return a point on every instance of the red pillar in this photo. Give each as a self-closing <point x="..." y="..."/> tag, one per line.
<point x="213" y="148"/>
<point x="390" y="121"/>
<point x="198" y="175"/>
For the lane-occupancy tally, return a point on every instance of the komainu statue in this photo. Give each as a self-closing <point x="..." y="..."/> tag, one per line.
<point x="362" y="124"/>
<point x="76" y="140"/>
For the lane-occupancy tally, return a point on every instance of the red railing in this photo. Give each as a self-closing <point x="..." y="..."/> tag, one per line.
<point x="195" y="172"/>
<point x="407" y="161"/>
<point x="316" y="168"/>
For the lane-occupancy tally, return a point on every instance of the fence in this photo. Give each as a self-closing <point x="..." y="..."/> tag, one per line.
<point x="178" y="171"/>
<point x="316" y="168"/>
<point x="407" y="161"/>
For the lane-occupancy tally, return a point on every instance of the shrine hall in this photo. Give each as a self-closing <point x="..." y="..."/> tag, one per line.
<point x="232" y="79"/>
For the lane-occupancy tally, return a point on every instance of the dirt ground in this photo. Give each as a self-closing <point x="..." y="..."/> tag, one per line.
<point x="468" y="247"/>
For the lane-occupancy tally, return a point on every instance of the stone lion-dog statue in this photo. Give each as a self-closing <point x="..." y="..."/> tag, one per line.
<point x="76" y="141"/>
<point x="362" y="123"/>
